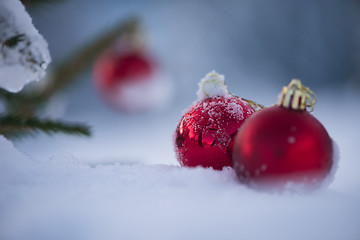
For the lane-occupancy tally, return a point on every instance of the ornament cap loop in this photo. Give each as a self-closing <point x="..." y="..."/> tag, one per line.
<point x="297" y="96"/>
<point x="256" y="106"/>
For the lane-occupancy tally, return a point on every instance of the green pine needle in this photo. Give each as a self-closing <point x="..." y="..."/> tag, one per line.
<point x="16" y="127"/>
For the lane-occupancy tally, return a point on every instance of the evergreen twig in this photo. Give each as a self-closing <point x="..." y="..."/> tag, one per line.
<point x="26" y="103"/>
<point x="19" y="120"/>
<point x="21" y="104"/>
<point x="15" y="126"/>
<point x="77" y="63"/>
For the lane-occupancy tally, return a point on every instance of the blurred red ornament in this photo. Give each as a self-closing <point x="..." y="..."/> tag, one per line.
<point x="284" y="144"/>
<point x="128" y="77"/>
<point x="118" y="68"/>
<point x="125" y="79"/>
<point x="205" y="133"/>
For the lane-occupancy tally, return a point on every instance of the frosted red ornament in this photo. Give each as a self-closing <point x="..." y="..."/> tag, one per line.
<point x="284" y="144"/>
<point x="205" y="133"/>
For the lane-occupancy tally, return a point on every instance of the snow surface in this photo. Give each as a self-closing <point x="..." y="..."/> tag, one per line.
<point x="125" y="183"/>
<point x="26" y="60"/>
<point x="63" y="198"/>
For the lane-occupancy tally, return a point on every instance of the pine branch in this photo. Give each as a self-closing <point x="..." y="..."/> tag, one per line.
<point x="26" y="103"/>
<point x="21" y="107"/>
<point x="21" y="104"/>
<point x="77" y="63"/>
<point x="16" y="127"/>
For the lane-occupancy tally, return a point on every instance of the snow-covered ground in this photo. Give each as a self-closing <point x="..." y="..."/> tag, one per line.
<point x="125" y="183"/>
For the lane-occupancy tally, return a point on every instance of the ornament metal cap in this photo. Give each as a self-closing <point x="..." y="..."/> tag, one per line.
<point x="297" y="96"/>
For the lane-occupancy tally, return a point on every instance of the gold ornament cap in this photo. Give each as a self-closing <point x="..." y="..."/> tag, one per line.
<point x="297" y="96"/>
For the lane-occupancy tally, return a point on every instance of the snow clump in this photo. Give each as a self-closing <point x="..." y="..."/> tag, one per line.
<point x="212" y="85"/>
<point x="24" y="53"/>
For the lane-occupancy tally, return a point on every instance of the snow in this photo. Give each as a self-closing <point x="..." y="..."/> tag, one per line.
<point x="26" y="59"/>
<point x="212" y="85"/>
<point x="63" y="198"/>
<point x="124" y="183"/>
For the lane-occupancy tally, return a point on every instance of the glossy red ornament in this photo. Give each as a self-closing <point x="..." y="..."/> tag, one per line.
<point x="125" y="79"/>
<point x="205" y="133"/>
<point x="279" y="145"/>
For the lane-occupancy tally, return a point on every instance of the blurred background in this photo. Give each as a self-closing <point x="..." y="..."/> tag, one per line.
<point x="258" y="45"/>
<point x="249" y="40"/>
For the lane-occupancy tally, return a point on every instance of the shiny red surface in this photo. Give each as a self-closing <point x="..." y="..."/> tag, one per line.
<point x="276" y="145"/>
<point x="205" y="133"/>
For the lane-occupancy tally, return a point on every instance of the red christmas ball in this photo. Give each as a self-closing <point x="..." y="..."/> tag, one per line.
<point x="130" y="80"/>
<point x="205" y="133"/>
<point x="114" y="69"/>
<point x="278" y="146"/>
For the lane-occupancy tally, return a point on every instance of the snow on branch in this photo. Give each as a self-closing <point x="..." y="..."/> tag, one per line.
<point x="24" y="53"/>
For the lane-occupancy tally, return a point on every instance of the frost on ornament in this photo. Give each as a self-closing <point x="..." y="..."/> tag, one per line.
<point x="204" y="136"/>
<point x="24" y="53"/>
